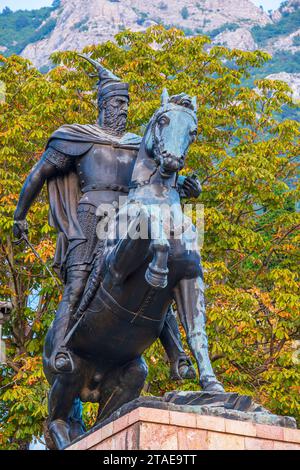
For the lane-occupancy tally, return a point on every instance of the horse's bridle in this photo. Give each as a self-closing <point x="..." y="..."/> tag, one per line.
<point x="155" y="143"/>
<point x="163" y="110"/>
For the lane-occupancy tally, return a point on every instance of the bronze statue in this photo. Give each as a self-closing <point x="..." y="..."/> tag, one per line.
<point x="84" y="167"/>
<point x="94" y="348"/>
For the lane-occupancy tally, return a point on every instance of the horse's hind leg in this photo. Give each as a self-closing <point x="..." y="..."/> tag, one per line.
<point x="121" y="386"/>
<point x="189" y="296"/>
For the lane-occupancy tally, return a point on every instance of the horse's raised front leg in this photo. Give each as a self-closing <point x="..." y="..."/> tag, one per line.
<point x="189" y="296"/>
<point x="131" y="251"/>
<point x="157" y="271"/>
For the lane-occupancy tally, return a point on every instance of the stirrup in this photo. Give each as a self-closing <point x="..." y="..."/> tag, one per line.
<point x="63" y="361"/>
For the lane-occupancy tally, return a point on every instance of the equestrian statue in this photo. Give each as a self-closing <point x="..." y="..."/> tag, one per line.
<point x="119" y="290"/>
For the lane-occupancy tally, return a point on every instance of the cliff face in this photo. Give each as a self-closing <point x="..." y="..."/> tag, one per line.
<point x="232" y="23"/>
<point x="241" y="38"/>
<point x="79" y="23"/>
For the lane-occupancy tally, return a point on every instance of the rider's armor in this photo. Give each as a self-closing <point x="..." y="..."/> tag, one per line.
<point x="102" y="170"/>
<point x="104" y="174"/>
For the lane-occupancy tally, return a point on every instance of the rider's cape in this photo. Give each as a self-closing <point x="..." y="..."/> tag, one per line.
<point x="64" y="191"/>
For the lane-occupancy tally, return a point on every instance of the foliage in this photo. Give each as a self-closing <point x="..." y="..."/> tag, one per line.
<point x="291" y="63"/>
<point x="23" y="405"/>
<point x="247" y="162"/>
<point x="22" y="27"/>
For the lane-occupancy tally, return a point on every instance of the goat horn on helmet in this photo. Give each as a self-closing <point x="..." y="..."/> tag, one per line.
<point x="109" y="84"/>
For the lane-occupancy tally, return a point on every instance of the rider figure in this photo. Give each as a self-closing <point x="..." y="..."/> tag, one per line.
<point x="84" y="167"/>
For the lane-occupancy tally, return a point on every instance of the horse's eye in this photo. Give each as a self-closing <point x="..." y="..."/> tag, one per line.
<point x="194" y="133"/>
<point x="163" y="121"/>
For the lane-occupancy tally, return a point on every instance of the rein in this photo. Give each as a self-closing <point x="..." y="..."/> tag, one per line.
<point x="123" y="312"/>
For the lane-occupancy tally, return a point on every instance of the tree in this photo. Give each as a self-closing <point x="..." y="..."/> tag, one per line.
<point x="185" y="13"/>
<point x="247" y="161"/>
<point x="22" y="22"/>
<point x="7" y="11"/>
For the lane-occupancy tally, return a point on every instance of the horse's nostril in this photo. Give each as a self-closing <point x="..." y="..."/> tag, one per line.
<point x="171" y="163"/>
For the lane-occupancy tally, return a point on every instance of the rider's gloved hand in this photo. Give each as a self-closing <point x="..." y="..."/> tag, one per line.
<point x="20" y="227"/>
<point x="191" y="187"/>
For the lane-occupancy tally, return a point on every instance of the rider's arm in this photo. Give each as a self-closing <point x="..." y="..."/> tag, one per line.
<point x="51" y="164"/>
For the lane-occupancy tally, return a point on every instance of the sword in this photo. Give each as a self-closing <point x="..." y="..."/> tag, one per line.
<point x="30" y="245"/>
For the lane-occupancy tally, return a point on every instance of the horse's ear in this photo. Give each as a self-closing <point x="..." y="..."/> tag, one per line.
<point x="194" y="102"/>
<point x="164" y="97"/>
<point x="148" y="140"/>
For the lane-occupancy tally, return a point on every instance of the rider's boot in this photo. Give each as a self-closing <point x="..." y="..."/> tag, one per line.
<point x="181" y="366"/>
<point x="59" y="431"/>
<point x="61" y="358"/>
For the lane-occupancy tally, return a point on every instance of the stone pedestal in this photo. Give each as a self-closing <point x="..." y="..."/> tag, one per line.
<point x="163" y="429"/>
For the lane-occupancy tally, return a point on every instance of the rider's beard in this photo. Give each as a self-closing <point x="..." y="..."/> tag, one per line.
<point x="115" y="120"/>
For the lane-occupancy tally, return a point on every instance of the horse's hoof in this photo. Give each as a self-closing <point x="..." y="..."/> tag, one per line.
<point x="175" y="377"/>
<point x="59" y="432"/>
<point x="182" y="369"/>
<point x="157" y="271"/>
<point x="50" y="444"/>
<point x="212" y="385"/>
<point x="156" y="278"/>
<point x="187" y="372"/>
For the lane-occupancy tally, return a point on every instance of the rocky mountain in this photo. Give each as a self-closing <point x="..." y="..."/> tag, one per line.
<point x="281" y="33"/>
<point x="79" y="23"/>
<point x="73" y="24"/>
<point x="292" y="79"/>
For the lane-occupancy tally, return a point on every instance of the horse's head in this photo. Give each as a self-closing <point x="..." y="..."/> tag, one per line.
<point x="171" y="130"/>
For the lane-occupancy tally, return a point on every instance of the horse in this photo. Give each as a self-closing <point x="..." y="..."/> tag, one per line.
<point x="135" y="278"/>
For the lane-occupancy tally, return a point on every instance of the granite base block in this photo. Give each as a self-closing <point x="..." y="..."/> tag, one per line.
<point x="145" y="428"/>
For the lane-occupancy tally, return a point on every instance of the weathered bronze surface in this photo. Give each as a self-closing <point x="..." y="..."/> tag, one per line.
<point x="118" y="292"/>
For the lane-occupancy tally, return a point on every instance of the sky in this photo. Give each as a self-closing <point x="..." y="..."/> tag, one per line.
<point x="30" y="4"/>
<point x="267" y="4"/>
<point x="24" y="4"/>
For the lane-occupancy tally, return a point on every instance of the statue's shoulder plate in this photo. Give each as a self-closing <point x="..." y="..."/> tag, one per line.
<point x="73" y="149"/>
